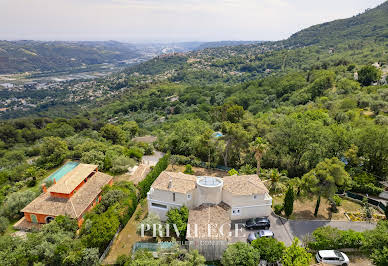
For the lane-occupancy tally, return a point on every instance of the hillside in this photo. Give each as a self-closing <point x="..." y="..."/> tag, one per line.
<point x="371" y="25"/>
<point x="22" y="56"/>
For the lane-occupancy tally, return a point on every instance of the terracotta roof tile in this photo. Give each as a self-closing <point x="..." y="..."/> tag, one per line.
<point x="74" y="206"/>
<point x="73" y="178"/>
<point x="215" y="215"/>
<point x="244" y="185"/>
<point x="180" y="182"/>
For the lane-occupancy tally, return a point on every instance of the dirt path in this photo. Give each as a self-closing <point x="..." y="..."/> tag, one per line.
<point x="140" y="173"/>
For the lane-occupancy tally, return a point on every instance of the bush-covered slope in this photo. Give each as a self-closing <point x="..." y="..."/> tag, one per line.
<point x="373" y="25"/>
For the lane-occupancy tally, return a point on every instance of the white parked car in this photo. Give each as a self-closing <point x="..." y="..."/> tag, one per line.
<point x="333" y="257"/>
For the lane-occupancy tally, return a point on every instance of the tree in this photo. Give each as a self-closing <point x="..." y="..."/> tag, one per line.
<point x="100" y="233"/>
<point x="16" y="201"/>
<point x="112" y="133"/>
<point x="277" y="180"/>
<point x="325" y="179"/>
<point x="151" y="219"/>
<point x="324" y="82"/>
<point x="259" y="147"/>
<point x="93" y="157"/>
<point x="247" y="169"/>
<point x="53" y="151"/>
<point x="289" y="202"/>
<point x="179" y="217"/>
<point x="269" y="249"/>
<point x="235" y="138"/>
<point x="120" y="164"/>
<point x="368" y="75"/>
<point x="296" y="255"/>
<point x="375" y="243"/>
<point x="131" y="128"/>
<point x="373" y="146"/>
<point x="240" y="254"/>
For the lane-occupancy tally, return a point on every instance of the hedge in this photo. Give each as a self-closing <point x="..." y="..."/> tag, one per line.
<point x="145" y="185"/>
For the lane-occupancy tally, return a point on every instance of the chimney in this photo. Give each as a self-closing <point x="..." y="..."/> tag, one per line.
<point x="169" y="183"/>
<point x="54" y="181"/>
<point x="44" y="188"/>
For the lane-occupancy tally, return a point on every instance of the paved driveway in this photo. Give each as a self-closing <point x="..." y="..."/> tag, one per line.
<point x="286" y="230"/>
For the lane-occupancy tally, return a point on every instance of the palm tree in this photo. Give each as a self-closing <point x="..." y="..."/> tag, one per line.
<point x="278" y="180"/>
<point x="259" y="147"/>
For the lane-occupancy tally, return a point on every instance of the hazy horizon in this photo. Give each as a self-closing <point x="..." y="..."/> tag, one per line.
<point x="168" y="21"/>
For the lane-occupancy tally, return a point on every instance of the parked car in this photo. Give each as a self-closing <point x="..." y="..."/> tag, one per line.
<point x="333" y="257"/>
<point x="258" y="223"/>
<point x="259" y="234"/>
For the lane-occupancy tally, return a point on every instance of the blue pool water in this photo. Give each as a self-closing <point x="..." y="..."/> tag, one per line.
<point x="62" y="171"/>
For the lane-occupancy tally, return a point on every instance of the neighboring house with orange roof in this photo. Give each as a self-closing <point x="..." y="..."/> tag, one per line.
<point x="246" y="195"/>
<point x="73" y="195"/>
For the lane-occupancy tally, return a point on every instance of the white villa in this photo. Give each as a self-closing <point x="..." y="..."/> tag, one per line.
<point x="211" y="201"/>
<point x="246" y="195"/>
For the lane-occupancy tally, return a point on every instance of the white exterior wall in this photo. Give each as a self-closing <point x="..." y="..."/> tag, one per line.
<point x="242" y="207"/>
<point x="166" y="198"/>
<point x="212" y="195"/>
<point x="245" y="207"/>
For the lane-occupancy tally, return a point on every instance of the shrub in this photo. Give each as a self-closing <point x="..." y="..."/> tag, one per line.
<point x="179" y="217"/>
<point x="151" y="219"/>
<point x="337" y="200"/>
<point x="135" y="152"/>
<point x="121" y="164"/>
<point x="296" y="255"/>
<point x="240" y="254"/>
<point x="101" y="230"/>
<point x="232" y="172"/>
<point x="3" y="224"/>
<point x="269" y="249"/>
<point x="332" y="238"/>
<point x="375" y="243"/>
<point x="122" y="259"/>
<point x="189" y="169"/>
<point x="278" y="208"/>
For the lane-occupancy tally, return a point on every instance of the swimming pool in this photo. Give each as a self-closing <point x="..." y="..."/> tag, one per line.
<point x="62" y="171"/>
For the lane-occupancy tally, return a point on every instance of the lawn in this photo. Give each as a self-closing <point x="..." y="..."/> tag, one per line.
<point x="304" y="208"/>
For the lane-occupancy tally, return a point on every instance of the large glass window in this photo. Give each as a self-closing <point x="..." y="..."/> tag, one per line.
<point x="157" y="205"/>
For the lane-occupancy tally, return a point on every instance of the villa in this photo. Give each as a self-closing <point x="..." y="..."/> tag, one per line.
<point x="212" y="202"/>
<point x="73" y="195"/>
<point x="245" y="195"/>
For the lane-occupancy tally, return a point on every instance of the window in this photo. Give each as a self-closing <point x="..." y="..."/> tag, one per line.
<point x="236" y="212"/>
<point x="157" y="205"/>
<point x="173" y="196"/>
<point x="188" y="196"/>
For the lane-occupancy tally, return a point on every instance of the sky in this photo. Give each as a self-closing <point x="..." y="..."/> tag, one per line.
<point x="168" y="20"/>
